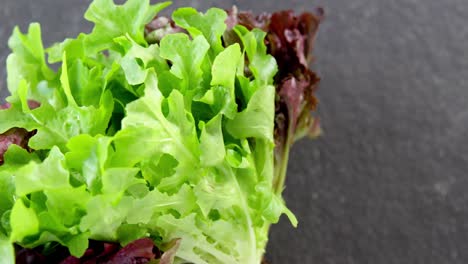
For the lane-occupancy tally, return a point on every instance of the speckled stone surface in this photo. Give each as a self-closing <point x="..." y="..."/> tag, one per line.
<point x="387" y="183"/>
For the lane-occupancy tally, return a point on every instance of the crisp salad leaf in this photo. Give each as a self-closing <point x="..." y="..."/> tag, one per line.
<point x="143" y="143"/>
<point x="6" y="251"/>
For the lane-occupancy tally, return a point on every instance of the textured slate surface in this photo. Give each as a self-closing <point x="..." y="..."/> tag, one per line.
<point x="387" y="182"/>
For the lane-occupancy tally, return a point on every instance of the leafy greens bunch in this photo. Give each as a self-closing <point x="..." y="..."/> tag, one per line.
<point x="168" y="135"/>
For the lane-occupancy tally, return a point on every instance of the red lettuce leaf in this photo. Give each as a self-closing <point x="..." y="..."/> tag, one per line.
<point x="137" y="252"/>
<point x="169" y="255"/>
<point x="290" y="39"/>
<point x="16" y="135"/>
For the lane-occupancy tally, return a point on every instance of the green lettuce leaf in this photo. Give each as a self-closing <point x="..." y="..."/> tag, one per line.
<point x="7" y="251"/>
<point x="113" y="20"/>
<point x="27" y="62"/>
<point x="211" y="24"/>
<point x="172" y="141"/>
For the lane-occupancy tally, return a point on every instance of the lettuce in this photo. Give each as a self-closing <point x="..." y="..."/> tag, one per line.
<point x="131" y="139"/>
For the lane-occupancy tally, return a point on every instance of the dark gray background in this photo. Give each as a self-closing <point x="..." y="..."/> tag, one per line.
<point x="387" y="182"/>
